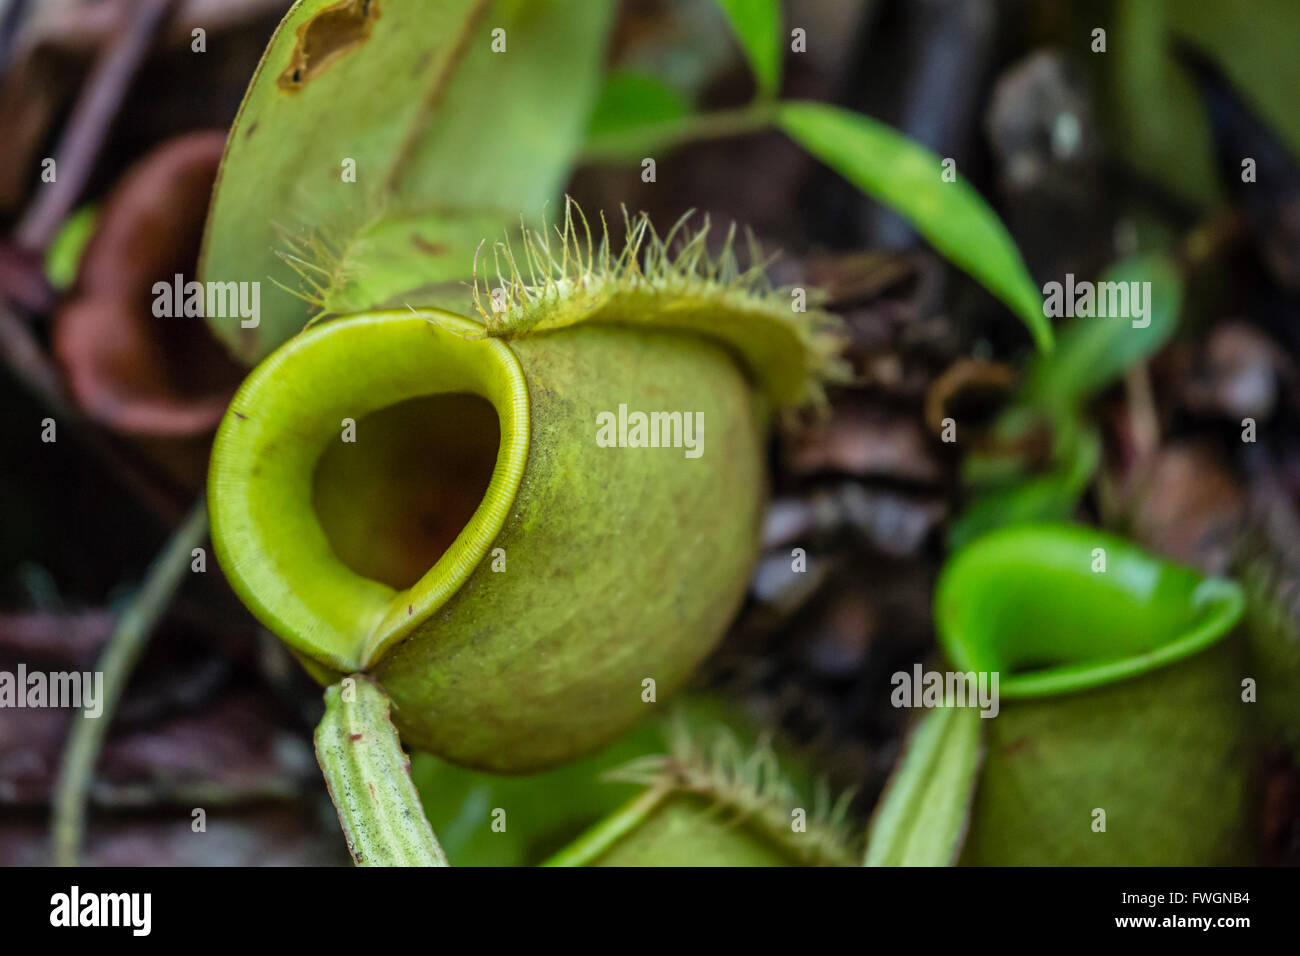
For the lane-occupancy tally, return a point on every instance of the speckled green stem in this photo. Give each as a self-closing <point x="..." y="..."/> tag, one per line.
<point x="369" y="779"/>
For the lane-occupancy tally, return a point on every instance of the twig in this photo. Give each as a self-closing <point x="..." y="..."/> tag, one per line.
<point x="116" y="663"/>
<point x="20" y="351"/>
<point x="10" y="23"/>
<point x="98" y="105"/>
<point x="1143" y="415"/>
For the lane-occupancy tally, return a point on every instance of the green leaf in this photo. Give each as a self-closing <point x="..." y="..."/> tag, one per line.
<point x="369" y="779"/>
<point x="544" y="811"/>
<point x="435" y="121"/>
<point x="631" y="100"/>
<point x="905" y="176"/>
<point x="1255" y="45"/>
<point x="921" y="819"/>
<point x="63" y="257"/>
<point x="758" y="28"/>
<point x="409" y="260"/>
<point x="1047" y="497"/>
<point x="1154" y="111"/>
<point x="635" y="116"/>
<point x="1154" y="108"/>
<point x="1094" y="351"/>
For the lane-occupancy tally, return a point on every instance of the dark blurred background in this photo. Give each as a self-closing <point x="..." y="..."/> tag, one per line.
<point x="1088" y="156"/>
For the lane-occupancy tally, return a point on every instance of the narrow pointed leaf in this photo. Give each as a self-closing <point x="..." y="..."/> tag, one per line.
<point x="757" y="24"/>
<point x="1094" y="351"/>
<point x="631" y="110"/>
<point x="905" y="176"/>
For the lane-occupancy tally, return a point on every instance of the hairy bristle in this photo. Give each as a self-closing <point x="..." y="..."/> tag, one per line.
<point x="316" y="261"/>
<point x="555" y="262"/>
<point x="564" y="275"/>
<point x="572" y="273"/>
<point x="749" y="789"/>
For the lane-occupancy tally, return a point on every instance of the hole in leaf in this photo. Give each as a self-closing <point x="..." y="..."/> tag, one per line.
<point x="327" y="37"/>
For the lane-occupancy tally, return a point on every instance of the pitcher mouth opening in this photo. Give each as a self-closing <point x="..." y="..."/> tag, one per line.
<point x="360" y="475"/>
<point x="393" y="501"/>
<point x="1026" y="602"/>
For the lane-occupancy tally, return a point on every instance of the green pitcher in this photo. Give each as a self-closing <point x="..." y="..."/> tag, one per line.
<point x="1120" y="739"/>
